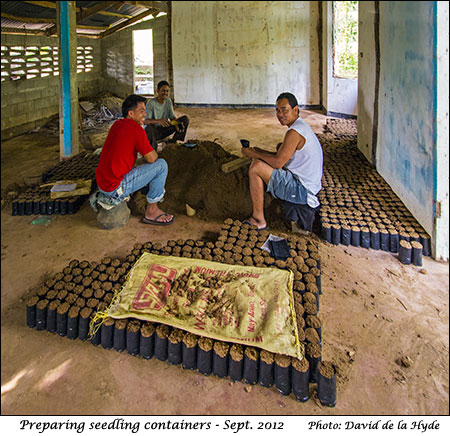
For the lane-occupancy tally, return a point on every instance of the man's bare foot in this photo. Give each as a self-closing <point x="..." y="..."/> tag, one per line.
<point x="154" y="213"/>
<point x="261" y="224"/>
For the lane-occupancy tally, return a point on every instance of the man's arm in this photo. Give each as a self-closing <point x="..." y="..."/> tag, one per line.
<point x="151" y="157"/>
<point x="292" y="141"/>
<point x="162" y="122"/>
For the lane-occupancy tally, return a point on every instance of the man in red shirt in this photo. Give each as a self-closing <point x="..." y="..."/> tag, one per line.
<point x="117" y="179"/>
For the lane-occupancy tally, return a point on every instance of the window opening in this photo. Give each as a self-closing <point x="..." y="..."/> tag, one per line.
<point x="143" y="62"/>
<point x="345" y="39"/>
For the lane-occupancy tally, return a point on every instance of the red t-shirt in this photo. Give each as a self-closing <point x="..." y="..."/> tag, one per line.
<point x="125" y="140"/>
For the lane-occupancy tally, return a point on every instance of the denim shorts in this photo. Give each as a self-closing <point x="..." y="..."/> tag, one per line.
<point x="285" y="185"/>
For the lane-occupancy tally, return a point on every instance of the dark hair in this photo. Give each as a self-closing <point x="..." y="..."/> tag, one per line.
<point x="161" y="84"/>
<point x="130" y="103"/>
<point x="290" y="98"/>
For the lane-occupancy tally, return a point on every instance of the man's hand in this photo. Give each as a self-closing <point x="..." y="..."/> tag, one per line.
<point x="248" y="151"/>
<point x="164" y="122"/>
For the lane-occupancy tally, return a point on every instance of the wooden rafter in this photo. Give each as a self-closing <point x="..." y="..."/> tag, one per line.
<point x="127" y="23"/>
<point x="159" y="6"/>
<point x="86" y="13"/>
<point x="28" y="19"/>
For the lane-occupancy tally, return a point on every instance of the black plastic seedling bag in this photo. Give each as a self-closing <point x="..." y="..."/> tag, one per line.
<point x="235" y="369"/>
<point x="300" y="384"/>
<point x="282" y="377"/>
<point x="189" y="356"/>
<point x="161" y="348"/>
<point x="219" y="365"/>
<point x="326" y="389"/>
<point x="204" y="361"/>
<point x="174" y="353"/>
<point x="265" y="376"/>
<point x="147" y="346"/>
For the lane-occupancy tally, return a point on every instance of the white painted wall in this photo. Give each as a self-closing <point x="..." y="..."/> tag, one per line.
<point x="366" y="77"/>
<point x="406" y="155"/>
<point x="245" y="52"/>
<point x="340" y="95"/>
<point x="442" y="224"/>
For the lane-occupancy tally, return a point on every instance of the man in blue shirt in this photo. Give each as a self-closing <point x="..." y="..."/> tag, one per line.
<point x="160" y="119"/>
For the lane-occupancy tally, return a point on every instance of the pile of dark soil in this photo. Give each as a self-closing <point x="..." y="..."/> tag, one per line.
<point x="195" y="178"/>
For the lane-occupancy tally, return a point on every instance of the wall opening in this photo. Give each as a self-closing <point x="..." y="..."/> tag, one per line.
<point x="143" y="62"/>
<point x="345" y="39"/>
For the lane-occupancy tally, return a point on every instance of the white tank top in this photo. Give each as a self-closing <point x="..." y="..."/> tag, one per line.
<point x="307" y="163"/>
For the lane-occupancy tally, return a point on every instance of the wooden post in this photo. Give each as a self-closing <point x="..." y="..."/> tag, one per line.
<point x="68" y="96"/>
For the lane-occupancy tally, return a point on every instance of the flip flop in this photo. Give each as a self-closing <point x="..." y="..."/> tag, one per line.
<point x="250" y="224"/>
<point x="156" y="222"/>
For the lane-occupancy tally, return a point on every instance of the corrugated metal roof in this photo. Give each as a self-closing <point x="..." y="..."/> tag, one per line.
<point x="37" y="12"/>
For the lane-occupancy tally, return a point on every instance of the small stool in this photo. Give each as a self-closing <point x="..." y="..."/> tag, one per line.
<point x="113" y="218"/>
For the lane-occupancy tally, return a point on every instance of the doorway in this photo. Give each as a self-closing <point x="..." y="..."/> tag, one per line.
<point x="143" y="62"/>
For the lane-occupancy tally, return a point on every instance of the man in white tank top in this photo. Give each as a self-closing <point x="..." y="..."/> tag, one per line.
<point x="293" y="173"/>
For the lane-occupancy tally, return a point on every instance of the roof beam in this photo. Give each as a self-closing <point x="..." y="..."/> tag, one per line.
<point x="51" y="5"/>
<point x="96" y="9"/>
<point x="127" y="23"/>
<point x="160" y="6"/>
<point x="28" y="19"/>
<point x="86" y="13"/>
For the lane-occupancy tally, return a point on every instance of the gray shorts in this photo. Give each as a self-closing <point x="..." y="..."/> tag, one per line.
<point x="285" y="185"/>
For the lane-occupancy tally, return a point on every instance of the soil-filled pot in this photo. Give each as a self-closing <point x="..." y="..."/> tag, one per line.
<point x="405" y="252"/>
<point x="266" y="364"/>
<point x="394" y="240"/>
<point x="107" y="335"/>
<point x="31" y="311"/>
<point x="83" y="323"/>
<point x="335" y="234"/>
<point x="51" y="315"/>
<point x="426" y="244"/>
<point x="162" y="333"/>
<point x="282" y="373"/>
<point x="189" y="351"/>
<point x="314" y="356"/>
<point x="220" y="359"/>
<point x="61" y="318"/>
<point x="346" y="235"/>
<point x="384" y="240"/>
<point x="236" y="362"/>
<point x="96" y="338"/>
<point x="365" y="237"/>
<point x="326" y="384"/>
<point x="41" y="314"/>
<point x="416" y="253"/>
<point x="251" y="364"/>
<point x="300" y="379"/>
<point x="120" y="334"/>
<point x="147" y="340"/>
<point x="204" y="356"/>
<point x="356" y="236"/>
<point x="374" y="239"/>
<point x="72" y="322"/>
<point x="326" y="232"/>
<point x="175" y="339"/>
<point x="133" y="336"/>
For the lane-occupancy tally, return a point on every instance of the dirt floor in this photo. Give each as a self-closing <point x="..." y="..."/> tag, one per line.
<point x="386" y="325"/>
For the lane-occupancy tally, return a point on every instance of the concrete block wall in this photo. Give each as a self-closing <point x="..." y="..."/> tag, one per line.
<point x="118" y="56"/>
<point x="30" y="103"/>
<point x="117" y="63"/>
